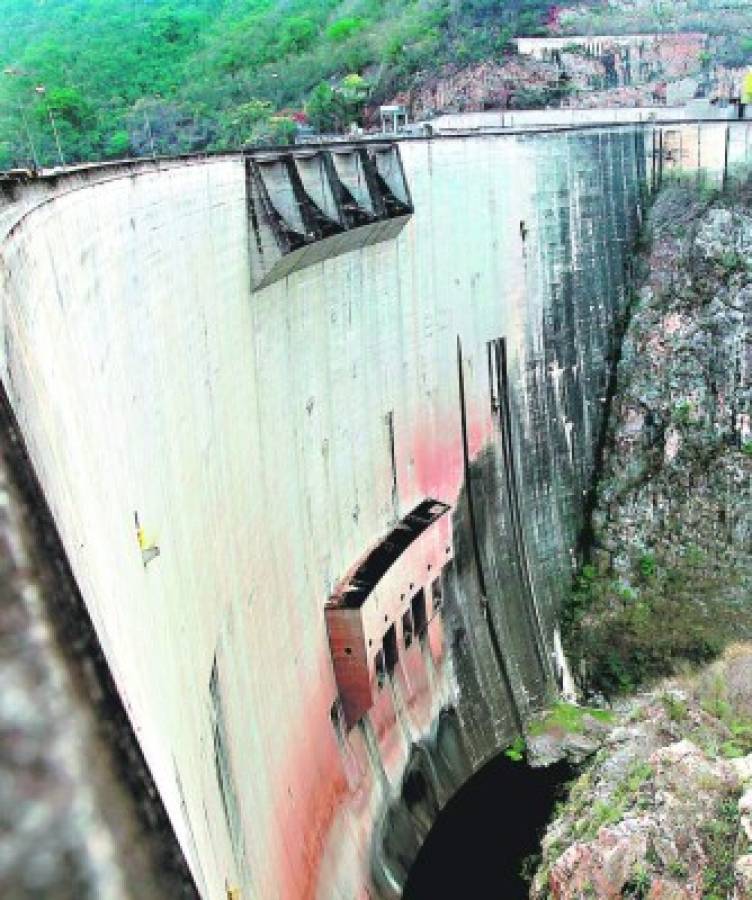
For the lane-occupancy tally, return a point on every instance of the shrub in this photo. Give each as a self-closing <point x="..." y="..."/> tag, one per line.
<point x="682" y="413"/>
<point x="719" y="839"/>
<point x="676" y="709"/>
<point x="604" y="812"/>
<point x="665" y="625"/>
<point x="647" y="565"/>
<point x="731" y="261"/>
<point x="677" y="868"/>
<point x="516" y="750"/>
<point x="298" y="33"/>
<point x="639" y="883"/>
<point x="569" y="718"/>
<point x="118" y="144"/>
<point x="343" y="29"/>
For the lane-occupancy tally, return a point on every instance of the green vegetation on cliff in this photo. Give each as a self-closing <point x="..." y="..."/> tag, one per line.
<point x="134" y="76"/>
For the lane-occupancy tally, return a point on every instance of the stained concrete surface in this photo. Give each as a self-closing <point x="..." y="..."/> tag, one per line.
<point x="259" y="436"/>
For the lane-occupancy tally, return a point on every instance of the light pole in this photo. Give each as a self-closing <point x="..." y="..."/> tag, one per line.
<point x="11" y="73"/>
<point x="150" y="134"/>
<point x="41" y="91"/>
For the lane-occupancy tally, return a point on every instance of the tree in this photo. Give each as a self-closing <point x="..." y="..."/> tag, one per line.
<point x="67" y="104"/>
<point x="343" y="29"/>
<point x="165" y="127"/>
<point x="297" y="35"/>
<point x="281" y="130"/>
<point x="118" y="145"/>
<point x="325" y="108"/>
<point x="331" y="108"/>
<point x="354" y="87"/>
<point x="354" y="90"/>
<point x="244" y="120"/>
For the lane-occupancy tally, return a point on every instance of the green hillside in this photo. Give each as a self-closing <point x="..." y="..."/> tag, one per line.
<point x="124" y="77"/>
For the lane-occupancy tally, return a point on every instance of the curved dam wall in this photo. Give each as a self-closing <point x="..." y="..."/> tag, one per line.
<point x="222" y="464"/>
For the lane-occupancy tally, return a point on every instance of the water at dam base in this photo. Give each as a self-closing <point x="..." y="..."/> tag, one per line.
<point x="481" y="840"/>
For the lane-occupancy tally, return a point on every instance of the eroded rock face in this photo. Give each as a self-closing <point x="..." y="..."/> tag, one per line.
<point x="679" y="477"/>
<point x="672" y="524"/>
<point x="664" y="808"/>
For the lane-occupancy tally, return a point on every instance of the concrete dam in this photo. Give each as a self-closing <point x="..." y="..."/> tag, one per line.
<point x="317" y="428"/>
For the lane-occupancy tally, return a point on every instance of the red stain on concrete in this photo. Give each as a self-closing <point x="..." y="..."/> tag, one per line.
<point x="312" y="788"/>
<point x="438" y="458"/>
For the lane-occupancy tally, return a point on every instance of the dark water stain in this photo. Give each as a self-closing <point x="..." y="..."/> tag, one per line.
<point x="481" y="838"/>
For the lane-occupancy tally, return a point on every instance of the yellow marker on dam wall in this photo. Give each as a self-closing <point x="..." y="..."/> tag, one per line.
<point x="747" y="88"/>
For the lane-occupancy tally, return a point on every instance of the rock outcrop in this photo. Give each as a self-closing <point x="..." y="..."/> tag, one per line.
<point x="672" y="525"/>
<point x="664" y="810"/>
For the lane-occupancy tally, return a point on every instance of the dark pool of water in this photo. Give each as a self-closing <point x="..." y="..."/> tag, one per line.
<point x="476" y="848"/>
